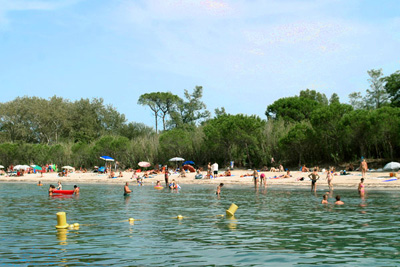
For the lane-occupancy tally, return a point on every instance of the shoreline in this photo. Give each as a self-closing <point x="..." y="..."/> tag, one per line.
<point x="373" y="180"/>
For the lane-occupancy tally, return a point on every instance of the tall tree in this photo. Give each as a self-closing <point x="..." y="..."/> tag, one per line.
<point x="151" y="100"/>
<point x="191" y="111"/>
<point x="376" y="96"/>
<point x="356" y="100"/>
<point x="314" y="95"/>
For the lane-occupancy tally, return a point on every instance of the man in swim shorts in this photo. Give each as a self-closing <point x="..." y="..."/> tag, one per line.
<point x="127" y="191"/>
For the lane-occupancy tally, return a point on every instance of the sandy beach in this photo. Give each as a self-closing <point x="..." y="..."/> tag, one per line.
<point x="374" y="180"/>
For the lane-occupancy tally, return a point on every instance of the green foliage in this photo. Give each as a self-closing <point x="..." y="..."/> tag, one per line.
<point x="376" y="95"/>
<point x="292" y="109"/>
<point x="392" y="87"/>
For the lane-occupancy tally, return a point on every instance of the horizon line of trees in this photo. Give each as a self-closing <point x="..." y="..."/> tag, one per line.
<point x="307" y="128"/>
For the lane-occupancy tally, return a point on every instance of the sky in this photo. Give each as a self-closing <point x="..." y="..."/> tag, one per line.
<point x="245" y="53"/>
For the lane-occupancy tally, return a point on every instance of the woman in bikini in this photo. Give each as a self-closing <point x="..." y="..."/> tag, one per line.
<point x="364" y="168"/>
<point x="361" y="189"/>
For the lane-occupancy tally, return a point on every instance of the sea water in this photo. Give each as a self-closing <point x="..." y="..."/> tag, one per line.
<point x="277" y="226"/>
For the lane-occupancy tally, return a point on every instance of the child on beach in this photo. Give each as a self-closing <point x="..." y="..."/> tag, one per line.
<point x="314" y="177"/>
<point x="219" y="189"/>
<point x="165" y="176"/>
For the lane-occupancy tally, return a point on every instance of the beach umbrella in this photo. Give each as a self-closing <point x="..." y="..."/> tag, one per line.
<point x="177" y="159"/>
<point x="22" y="167"/>
<point x="391" y="166"/>
<point x="188" y="162"/>
<point x="36" y="167"/>
<point x="1" y="167"/>
<point x="68" y="167"/>
<point x="107" y="158"/>
<point x="144" y="164"/>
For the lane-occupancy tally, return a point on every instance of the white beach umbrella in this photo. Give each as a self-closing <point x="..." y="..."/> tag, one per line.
<point x="68" y="167"/>
<point x="392" y="166"/>
<point x="1" y="167"/>
<point x="177" y="159"/>
<point x="22" y="167"/>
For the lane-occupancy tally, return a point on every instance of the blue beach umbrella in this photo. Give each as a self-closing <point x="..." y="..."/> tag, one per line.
<point x="188" y="162"/>
<point x="107" y="158"/>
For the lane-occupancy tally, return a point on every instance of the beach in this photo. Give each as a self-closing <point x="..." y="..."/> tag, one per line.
<point x="373" y="180"/>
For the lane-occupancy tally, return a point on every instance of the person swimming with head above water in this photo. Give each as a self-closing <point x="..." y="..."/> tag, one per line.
<point x="338" y="201"/>
<point x="219" y="189"/>
<point x="324" y="199"/>
<point x="76" y="190"/>
<point x="52" y="188"/>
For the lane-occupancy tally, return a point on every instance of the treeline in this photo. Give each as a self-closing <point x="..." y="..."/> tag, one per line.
<point x="308" y="128"/>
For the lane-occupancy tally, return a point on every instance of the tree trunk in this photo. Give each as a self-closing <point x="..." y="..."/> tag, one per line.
<point x="155" y="115"/>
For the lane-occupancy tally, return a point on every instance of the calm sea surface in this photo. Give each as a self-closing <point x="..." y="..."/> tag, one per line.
<point x="282" y="227"/>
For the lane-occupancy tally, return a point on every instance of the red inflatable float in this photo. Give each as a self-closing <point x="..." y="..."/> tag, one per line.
<point x="63" y="192"/>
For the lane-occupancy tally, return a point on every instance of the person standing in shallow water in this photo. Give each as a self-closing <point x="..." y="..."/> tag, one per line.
<point x="314" y="177"/>
<point x="127" y="191"/>
<point x="255" y="177"/>
<point x="166" y="176"/>
<point x="361" y="188"/>
<point x="219" y="189"/>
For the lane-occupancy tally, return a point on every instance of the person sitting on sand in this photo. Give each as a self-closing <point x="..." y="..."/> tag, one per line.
<point x="40" y="183"/>
<point x="52" y="188"/>
<point x="219" y="189"/>
<point x="112" y="174"/>
<point x="305" y="169"/>
<point x="59" y="186"/>
<point x="338" y="201"/>
<point x="272" y="169"/>
<point x="76" y="190"/>
<point x="287" y="175"/>
<point x="120" y="174"/>
<point x="127" y="190"/>
<point x="324" y="199"/>
<point x="281" y="169"/>
<point x="228" y="172"/>
<point x="183" y="173"/>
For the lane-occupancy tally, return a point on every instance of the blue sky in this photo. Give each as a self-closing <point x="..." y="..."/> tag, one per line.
<point x="245" y="54"/>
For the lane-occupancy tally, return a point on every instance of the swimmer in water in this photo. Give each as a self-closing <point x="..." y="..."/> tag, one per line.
<point x="40" y="183"/>
<point x="76" y="190"/>
<point x="219" y="189"/>
<point x="127" y="191"/>
<point x="158" y="183"/>
<point x="59" y="186"/>
<point x="324" y="199"/>
<point x="338" y="201"/>
<point x="52" y="188"/>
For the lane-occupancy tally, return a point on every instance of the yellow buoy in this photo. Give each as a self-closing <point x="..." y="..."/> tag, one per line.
<point x="179" y="217"/>
<point x="61" y="220"/>
<point x="231" y="211"/>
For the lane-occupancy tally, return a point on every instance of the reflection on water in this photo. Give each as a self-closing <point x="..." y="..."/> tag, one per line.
<point x="278" y="226"/>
